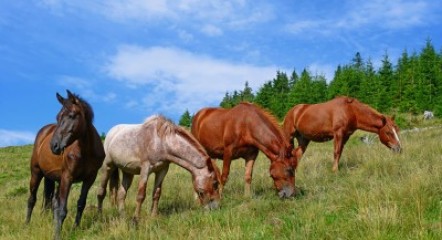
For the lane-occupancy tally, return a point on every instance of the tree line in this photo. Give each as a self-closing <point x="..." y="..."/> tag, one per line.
<point x="412" y="85"/>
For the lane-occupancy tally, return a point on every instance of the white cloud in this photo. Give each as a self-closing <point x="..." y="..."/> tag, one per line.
<point x="211" y="30"/>
<point x="386" y="14"/>
<point x="85" y="89"/>
<point x="185" y="36"/>
<point x="14" y="138"/>
<point x="197" y="13"/>
<point x="379" y="14"/>
<point x="179" y="79"/>
<point x="138" y="9"/>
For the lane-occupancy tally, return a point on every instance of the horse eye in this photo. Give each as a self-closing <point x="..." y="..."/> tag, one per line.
<point x="72" y="115"/>
<point x="200" y="193"/>
<point x="290" y="172"/>
<point x="215" y="184"/>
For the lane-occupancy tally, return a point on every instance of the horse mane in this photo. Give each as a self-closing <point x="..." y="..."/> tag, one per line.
<point x="265" y="114"/>
<point x="165" y="127"/>
<point x="88" y="112"/>
<point x="364" y="107"/>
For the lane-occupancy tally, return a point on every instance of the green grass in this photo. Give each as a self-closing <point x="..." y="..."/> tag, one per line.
<point x="375" y="195"/>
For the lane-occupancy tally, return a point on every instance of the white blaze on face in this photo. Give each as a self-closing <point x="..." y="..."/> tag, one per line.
<point x="397" y="137"/>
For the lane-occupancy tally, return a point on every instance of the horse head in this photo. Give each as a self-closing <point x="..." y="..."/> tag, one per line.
<point x="206" y="186"/>
<point x="70" y="123"/>
<point x="282" y="171"/>
<point x="389" y="134"/>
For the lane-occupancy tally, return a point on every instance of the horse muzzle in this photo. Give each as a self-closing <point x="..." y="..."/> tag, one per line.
<point x="57" y="148"/>
<point x="212" y="205"/>
<point x="396" y="148"/>
<point x="286" y="192"/>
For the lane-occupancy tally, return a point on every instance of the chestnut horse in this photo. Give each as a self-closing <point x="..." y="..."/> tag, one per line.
<point x="67" y="152"/>
<point x="240" y="132"/>
<point x="337" y="119"/>
<point x="150" y="148"/>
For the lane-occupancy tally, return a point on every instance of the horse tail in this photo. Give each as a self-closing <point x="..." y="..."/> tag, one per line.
<point x="48" y="192"/>
<point x="114" y="182"/>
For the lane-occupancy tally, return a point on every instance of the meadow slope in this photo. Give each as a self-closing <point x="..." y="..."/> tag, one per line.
<point x="376" y="195"/>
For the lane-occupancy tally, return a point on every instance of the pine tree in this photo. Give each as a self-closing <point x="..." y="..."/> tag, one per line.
<point x="366" y="88"/>
<point x="339" y="85"/>
<point x="404" y="75"/>
<point x="247" y="93"/>
<point x="264" y="95"/>
<point x="227" y="101"/>
<point x="356" y="77"/>
<point x="279" y="102"/>
<point x="185" y="119"/>
<point x="318" y="89"/>
<point x="387" y="92"/>
<point x="301" y="90"/>
<point x="429" y="77"/>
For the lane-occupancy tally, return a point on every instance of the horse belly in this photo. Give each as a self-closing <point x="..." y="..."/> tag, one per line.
<point x="130" y="165"/>
<point x="318" y="136"/>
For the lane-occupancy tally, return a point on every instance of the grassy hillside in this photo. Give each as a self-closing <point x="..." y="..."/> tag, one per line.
<point x="376" y="195"/>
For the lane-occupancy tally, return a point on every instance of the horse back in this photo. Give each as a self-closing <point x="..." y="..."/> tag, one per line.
<point x="123" y="147"/>
<point x="219" y="128"/>
<point x="319" y="122"/>
<point x="208" y="127"/>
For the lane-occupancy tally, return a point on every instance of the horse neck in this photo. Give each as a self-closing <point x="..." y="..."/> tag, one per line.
<point x="368" y="119"/>
<point x="271" y="142"/>
<point x="181" y="152"/>
<point x="87" y="140"/>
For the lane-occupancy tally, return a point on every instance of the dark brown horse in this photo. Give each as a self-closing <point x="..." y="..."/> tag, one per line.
<point x="67" y="152"/>
<point x="337" y="119"/>
<point x="241" y="132"/>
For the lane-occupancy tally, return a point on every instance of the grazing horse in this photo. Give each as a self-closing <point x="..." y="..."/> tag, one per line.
<point x="337" y="119"/>
<point x="240" y="132"/>
<point x="67" y="152"/>
<point x="151" y="147"/>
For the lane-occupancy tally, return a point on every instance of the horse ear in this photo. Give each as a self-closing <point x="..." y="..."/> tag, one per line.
<point x="60" y="98"/>
<point x="384" y="120"/>
<point x="71" y="97"/>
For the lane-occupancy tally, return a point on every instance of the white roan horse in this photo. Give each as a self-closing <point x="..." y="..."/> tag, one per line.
<point x="150" y="147"/>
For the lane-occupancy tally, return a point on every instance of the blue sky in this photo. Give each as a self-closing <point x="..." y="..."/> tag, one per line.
<point x="131" y="59"/>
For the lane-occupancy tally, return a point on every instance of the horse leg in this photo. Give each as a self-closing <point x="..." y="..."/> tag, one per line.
<point x="36" y="176"/>
<point x="114" y="184"/>
<point x="101" y="194"/>
<point x="302" y="146"/>
<point x="49" y="186"/>
<point x="339" y="142"/>
<point x="56" y="209"/>
<point x="122" y="192"/>
<point x="226" y="168"/>
<point x="249" y="162"/>
<point x="156" y="194"/>
<point x="141" y="196"/>
<point x="81" y="203"/>
<point x="60" y="206"/>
